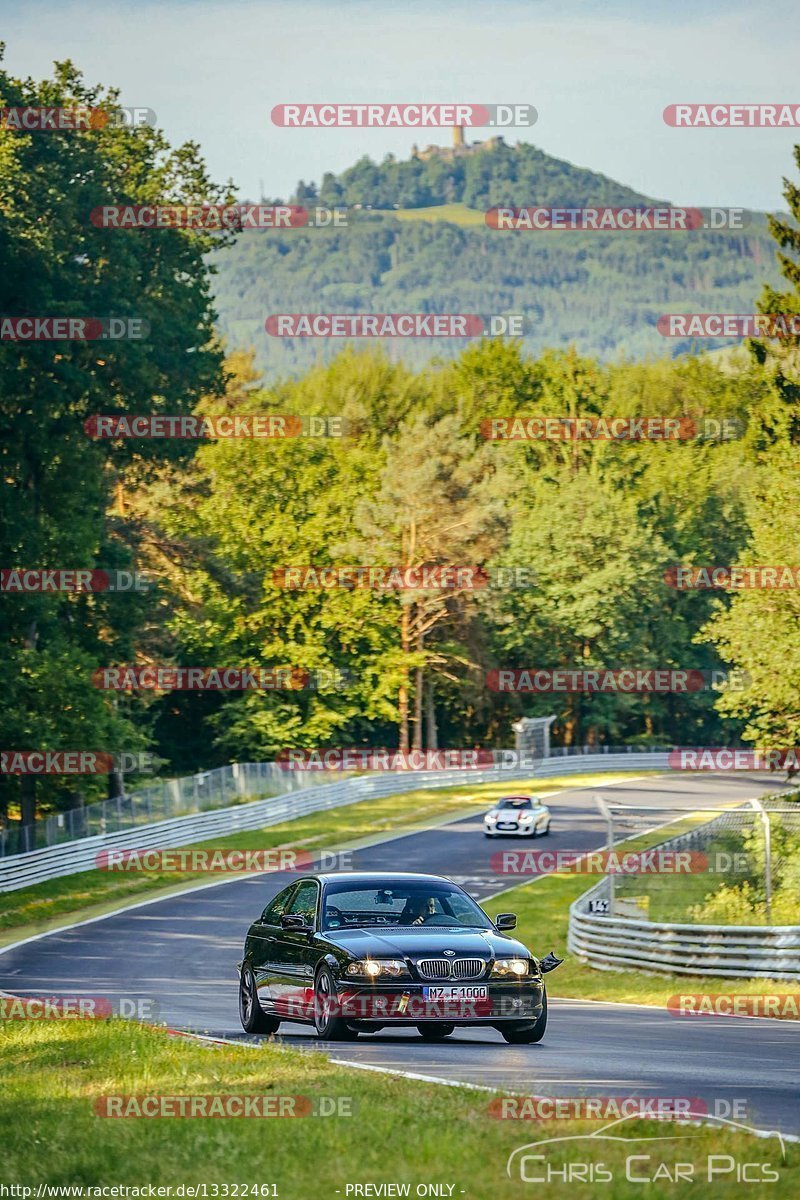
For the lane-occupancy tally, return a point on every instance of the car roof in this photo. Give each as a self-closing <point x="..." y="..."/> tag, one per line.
<point x="515" y="796"/>
<point x="376" y="877"/>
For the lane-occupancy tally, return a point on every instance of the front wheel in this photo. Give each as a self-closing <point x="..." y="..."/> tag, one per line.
<point x="435" y="1031"/>
<point x="251" y="1014"/>
<point x="328" y="1025"/>
<point x="527" y="1032"/>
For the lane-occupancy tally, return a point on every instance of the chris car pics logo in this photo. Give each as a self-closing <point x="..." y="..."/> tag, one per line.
<point x="646" y="1160"/>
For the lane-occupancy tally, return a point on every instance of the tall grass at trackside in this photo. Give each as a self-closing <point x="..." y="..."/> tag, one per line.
<point x="52" y="1073"/>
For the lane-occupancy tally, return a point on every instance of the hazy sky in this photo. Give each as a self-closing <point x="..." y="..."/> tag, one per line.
<point x="598" y="71"/>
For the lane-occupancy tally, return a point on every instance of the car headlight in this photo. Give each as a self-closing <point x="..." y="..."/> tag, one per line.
<point x="526" y="817"/>
<point x="511" y="968"/>
<point x="491" y="817"/>
<point x="371" y="968"/>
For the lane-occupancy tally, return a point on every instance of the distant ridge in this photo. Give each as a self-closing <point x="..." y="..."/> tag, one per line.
<point x="416" y="241"/>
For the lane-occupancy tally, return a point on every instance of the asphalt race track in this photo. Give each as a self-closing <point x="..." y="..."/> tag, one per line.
<point x="181" y="951"/>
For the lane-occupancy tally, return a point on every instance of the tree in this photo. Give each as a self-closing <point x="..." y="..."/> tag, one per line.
<point x="598" y="572"/>
<point x="759" y="630"/>
<point x="58" y="486"/>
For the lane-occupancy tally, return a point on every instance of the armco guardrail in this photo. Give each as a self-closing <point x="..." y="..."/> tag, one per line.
<point x="205" y="790"/>
<point x="160" y="800"/>
<point x="21" y="870"/>
<point x="612" y="943"/>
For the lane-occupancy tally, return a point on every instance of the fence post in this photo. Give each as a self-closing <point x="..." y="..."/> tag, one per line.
<point x="606" y="814"/>
<point x="764" y="815"/>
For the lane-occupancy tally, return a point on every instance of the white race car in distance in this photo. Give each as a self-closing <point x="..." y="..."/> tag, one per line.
<point x="517" y="816"/>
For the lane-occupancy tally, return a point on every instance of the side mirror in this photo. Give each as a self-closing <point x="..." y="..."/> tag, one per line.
<point x="296" y="922"/>
<point x="549" y="963"/>
<point x="506" y="921"/>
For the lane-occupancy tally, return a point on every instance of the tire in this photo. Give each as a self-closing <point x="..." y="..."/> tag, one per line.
<point x="328" y="1026"/>
<point x="435" y="1031"/>
<point x="251" y="1014"/>
<point x="527" y="1032"/>
<point x="545" y="831"/>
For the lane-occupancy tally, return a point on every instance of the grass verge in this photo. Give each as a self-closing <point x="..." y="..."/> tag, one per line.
<point x="542" y="908"/>
<point x="401" y="1131"/>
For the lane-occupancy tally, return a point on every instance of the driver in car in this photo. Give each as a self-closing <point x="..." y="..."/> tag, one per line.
<point x="417" y="913"/>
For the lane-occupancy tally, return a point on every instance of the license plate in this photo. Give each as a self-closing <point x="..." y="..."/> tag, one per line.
<point x="506" y="825"/>
<point x="474" y="992"/>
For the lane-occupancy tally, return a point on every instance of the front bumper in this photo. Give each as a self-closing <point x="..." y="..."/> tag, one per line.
<point x="406" y="1004"/>
<point x="520" y="831"/>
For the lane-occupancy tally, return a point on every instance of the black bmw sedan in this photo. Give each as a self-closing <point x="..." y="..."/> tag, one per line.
<point x="354" y="952"/>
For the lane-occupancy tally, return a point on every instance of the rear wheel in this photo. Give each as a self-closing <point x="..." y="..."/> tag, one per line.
<point x="435" y="1031"/>
<point x="251" y="1014"/>
<point x="524" y="1033"/>
<point x="328" y="1025"/>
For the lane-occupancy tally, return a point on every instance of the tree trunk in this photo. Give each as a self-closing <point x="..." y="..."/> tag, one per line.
<point x="419" y="684"/>
<point x="402" y="699"/>
<point x="431" y="732"/>
<point x="569" y="724"/>
<point x="419" y="695"/>
<point x="28" y="800"/>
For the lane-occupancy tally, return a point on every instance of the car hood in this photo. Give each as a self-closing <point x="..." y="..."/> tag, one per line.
<point x="426" y="943"/>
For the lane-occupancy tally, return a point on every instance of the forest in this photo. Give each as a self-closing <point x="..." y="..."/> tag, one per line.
<point x="381" y="462"/>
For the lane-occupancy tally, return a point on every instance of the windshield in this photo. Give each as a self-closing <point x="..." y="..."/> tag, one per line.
<point x="418" y="905"/>
<point x="516" y="802"/>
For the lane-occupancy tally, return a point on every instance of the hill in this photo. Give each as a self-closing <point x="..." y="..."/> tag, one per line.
<point x="416" y="241"/>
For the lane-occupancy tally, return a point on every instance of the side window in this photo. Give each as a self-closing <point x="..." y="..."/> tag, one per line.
<point x="304" y="903"/>
<point x="276" y="908"/>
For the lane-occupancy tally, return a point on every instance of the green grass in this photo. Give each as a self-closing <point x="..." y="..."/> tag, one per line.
<point x="671" y="897"/>
<point x="542" y="908"/>
<point x="402" y="1131"/>
<point x="456" y="214"/>
<point x="92" y="893"/>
